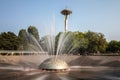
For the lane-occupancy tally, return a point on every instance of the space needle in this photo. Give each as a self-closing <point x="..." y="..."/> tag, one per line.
<point x="66" y="13"/>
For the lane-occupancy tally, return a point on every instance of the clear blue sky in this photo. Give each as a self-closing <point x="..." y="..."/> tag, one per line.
<point x="95" y="15"/>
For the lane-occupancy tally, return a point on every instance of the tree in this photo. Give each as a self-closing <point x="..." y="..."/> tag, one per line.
<point x="97" y="42"/>
<point x="64" y="43"/>
<point x="29" y="40"/>
<point x="23" y="39"/>
<point x="8" y="41"/>
<point x="80" y="42"/>
<point x="113" y="46"/>
<point x="33" y="30"/>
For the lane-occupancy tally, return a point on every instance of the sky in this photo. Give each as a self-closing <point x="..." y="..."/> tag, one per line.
<point x="94" y="15"/>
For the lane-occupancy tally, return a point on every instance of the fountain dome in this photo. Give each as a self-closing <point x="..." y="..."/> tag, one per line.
<point x="54" y="64"/>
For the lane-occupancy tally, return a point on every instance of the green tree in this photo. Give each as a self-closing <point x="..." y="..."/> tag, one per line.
<point x="113" y="46"/>
<point x="64" y="42"/>
<point x="33" y="30"/>
<point x="80" y="42"/>
<point x="23" y="39"/>
<point x="97" y="42"/>
<point x="8" y="41"/>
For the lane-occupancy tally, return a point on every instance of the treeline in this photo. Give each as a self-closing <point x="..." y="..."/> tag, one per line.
<point x="83" y="43"/>
<point x="90" y="43"/>
<point x="10" y="41"/>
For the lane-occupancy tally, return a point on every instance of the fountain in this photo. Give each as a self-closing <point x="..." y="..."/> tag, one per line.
<point x="53" y="64"/>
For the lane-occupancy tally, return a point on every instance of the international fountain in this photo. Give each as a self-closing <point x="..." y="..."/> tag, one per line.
<point x="54" y="63"/>
<point x="49" y="61"/>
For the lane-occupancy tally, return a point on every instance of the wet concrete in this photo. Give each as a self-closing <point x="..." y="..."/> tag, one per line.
<point x="90" y="73"/>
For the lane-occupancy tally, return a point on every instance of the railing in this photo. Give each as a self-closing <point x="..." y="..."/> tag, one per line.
<point x="8" y="53"/>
